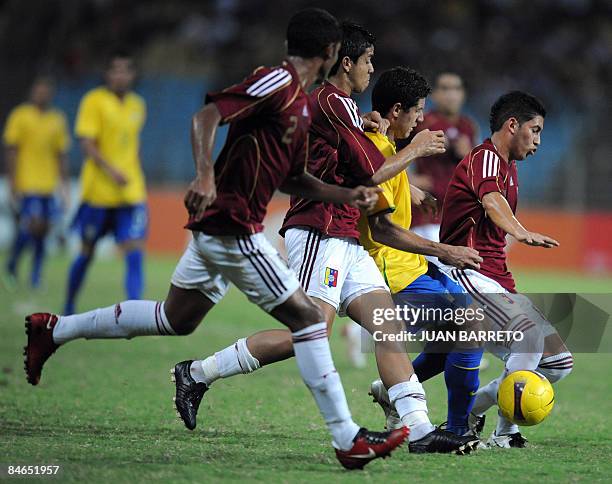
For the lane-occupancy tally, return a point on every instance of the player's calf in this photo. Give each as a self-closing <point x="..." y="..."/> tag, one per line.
<point x="556" y="367"/>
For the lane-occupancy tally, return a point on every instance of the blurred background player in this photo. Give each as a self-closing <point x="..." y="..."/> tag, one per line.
<point x="434" y="173"/>
<point x="108" y="124"/>
<point x="36" y="141"/>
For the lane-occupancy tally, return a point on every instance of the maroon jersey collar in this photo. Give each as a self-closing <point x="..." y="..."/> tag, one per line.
<point x="490" y="143"/>
<point x="329" y="85"/>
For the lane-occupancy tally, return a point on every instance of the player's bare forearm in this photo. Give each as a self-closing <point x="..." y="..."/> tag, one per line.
<point x="10" y="157"/>
<point x="393" y="165"/>
<point x="425" y="143"/>
<point x="385" y="232"/>
<point x="63" y="166"/>
<point x="499" y="212"/>
<point x="89" y="147"/>
<point x="202" y="191"/>
<point x="309" y="187"/>
<point x="203" y="131"/>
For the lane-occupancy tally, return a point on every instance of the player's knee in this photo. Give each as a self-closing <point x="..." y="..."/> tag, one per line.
<point x="38" y="227"/>
<point x="557" y="367"/>
<point x="183" y="327"/>
<point x="87" y="249"/>
<point x="308" y="313"/>
<point x="184" y="320"/>
<point x="131" y="245"/>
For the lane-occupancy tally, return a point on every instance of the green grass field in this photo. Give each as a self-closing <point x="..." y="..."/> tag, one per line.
<point x="103" y="410"/>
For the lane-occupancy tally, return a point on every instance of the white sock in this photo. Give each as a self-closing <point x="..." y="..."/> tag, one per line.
<point x="505" y="426"/>
<point x="233" y="360"/>
<point x="314" y="360"/>
<point x="556" y="367"/>
<point x="486" y="397"/>
<point x="411" y="405"/>
<point x="123" y="320"/>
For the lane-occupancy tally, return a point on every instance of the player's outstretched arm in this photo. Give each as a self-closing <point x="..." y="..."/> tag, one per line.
<point x="307" y="186"/>
<point x="500" y="213"/>
<point x="202" y="191"/>
<point x="425" y="143"/>
<point x="385" y="232"/>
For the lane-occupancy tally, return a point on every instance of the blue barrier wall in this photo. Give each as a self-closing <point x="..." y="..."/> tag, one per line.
<point x="166" y="149"/>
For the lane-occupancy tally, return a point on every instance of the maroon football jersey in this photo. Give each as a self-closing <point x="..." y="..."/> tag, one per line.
<point x="340" y="154"/>
<point x="267" y="142"/>
<point x="464" y="221"/>
<point x="441" y="167"/>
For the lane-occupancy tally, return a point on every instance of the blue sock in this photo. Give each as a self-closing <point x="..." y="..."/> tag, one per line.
<point x="134" y="274"/>
<point x="21" y="242"/>
<point x="428" y="365"/>
<point x="75" y="280"/>
<point x="461" y="376"/>
<point x="37" y="261"/>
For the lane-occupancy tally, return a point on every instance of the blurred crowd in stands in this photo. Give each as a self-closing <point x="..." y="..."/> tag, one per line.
<point x="560" y="50"/>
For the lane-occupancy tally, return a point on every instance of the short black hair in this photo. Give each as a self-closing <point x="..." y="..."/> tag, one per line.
<point x="399" y="85"/>
<point x="515" y="104"/>
<point x="355" y="40"/>
<point x="310" y="31"/>
<point x="118" y="53"/>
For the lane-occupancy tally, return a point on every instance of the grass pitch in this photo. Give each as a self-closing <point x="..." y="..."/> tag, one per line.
<point x="103" y="410"/>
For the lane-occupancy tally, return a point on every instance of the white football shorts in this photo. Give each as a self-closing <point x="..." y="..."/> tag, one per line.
<point x="210" y="263"/>
<point x="336" y="270"/>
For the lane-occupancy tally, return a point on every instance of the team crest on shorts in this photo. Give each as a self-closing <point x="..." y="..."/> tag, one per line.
<point x="331" y="277"/>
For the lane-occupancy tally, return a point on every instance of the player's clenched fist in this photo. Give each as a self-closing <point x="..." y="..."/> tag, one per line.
<point x="364" y="198"/>
<point x="200" y="195"/>
<point x="429" y="142"/>
<point x="373" y="121"/>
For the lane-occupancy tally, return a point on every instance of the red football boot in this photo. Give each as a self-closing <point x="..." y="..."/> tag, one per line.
<point x="39" y="328"/>
<point x="368" y="446"/>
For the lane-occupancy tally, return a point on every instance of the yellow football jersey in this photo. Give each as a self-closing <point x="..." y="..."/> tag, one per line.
<point x="399" y="268"/>
<point x="39" y="138"/>
<point x="115" y="125"/>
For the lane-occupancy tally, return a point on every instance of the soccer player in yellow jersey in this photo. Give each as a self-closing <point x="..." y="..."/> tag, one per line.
<point x="36" y="140"/>
<point x="108" y="125"/>
<point x="399" y="96"/>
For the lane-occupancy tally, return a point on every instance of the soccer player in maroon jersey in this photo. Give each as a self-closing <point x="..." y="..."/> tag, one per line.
<point x="323" y="247"/>
<point x="434" y="172"/>
<point x="479" y="211"/>
<point x="266" y="149"/>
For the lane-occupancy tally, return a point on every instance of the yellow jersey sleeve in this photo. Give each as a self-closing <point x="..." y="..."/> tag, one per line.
<point x="12" y="129"/>
<point x="385" y="201"/>
<point x="89" y="119"/>
<point x="385" y="198"/>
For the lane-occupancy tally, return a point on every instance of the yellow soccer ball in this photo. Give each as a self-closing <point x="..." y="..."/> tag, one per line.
<point x="525" y="397"/>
